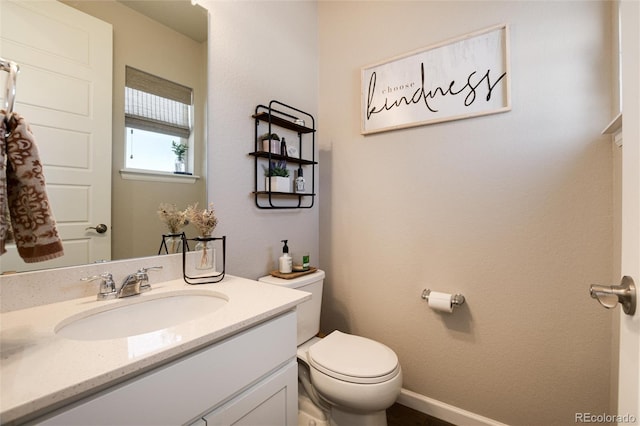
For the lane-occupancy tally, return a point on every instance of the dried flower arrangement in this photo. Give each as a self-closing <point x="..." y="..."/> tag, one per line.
<point x="174" y="219"/>
<point x="204" y="220"/>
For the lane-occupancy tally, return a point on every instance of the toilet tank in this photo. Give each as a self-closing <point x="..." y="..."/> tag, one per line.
<point x="308" y="312"/>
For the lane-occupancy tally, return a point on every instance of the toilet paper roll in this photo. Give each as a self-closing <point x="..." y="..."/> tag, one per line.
<point x="440" y="301"/>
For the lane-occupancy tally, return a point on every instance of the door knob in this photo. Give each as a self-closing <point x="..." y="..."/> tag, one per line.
<point x="100" y="228"/>
<point x="625" y="294"/>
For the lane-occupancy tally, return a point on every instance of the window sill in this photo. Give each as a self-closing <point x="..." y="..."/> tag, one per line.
<point x="151" y="176"/>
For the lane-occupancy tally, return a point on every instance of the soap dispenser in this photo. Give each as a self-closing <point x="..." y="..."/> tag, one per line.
<point x="285" y="263"/>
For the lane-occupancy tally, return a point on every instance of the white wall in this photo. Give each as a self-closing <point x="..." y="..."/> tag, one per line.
<point x="629" y="361"/>
<point x="259" y="51"/>
<point x="512" y="210"/>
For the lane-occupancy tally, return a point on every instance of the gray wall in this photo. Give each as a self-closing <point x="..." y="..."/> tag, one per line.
<point x="259" y="51"/>
<point x="513" y="210"/>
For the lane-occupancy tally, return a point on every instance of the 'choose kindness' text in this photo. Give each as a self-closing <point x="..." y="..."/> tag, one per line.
<point x="421" y="95"/>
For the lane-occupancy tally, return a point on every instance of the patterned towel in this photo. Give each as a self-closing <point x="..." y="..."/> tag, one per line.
<point x="23" y="194"/>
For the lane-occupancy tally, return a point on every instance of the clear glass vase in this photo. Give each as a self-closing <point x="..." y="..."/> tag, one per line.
<point x="205" y="257"/>
<point x="171" y="243"/>
<point x="180" y="166"/>
<point x="174" y="245"/>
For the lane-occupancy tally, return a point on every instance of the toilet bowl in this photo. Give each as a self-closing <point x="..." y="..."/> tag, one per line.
<point x="349" y="380"/>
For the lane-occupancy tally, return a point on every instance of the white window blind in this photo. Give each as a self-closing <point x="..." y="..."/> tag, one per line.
<point x="157" y="105"/>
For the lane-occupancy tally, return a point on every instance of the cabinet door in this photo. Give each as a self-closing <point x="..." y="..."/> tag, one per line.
<point x="273" y="401"/>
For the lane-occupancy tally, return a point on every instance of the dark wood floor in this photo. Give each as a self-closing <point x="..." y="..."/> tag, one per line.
<point x="400" y="415"/>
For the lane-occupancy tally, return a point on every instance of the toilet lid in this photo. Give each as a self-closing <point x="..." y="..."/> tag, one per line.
<point x="353" y="359"/>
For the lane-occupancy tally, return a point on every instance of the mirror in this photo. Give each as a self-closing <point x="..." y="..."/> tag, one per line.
<point x="155" y="36"/>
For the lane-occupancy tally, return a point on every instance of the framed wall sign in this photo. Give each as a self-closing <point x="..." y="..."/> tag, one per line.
<point x="460" y="78"/>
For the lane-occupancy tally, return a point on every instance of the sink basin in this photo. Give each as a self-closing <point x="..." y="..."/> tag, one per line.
<point x="146" y="314"/>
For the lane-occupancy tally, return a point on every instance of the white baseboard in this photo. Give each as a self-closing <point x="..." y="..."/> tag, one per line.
<point x="440" y="410"/>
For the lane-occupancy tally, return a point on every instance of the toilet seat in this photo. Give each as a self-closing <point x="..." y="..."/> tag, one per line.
<point x="353" y="359"/>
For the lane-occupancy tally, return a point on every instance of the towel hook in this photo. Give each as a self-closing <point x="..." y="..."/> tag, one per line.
<point x="10" y="88"/>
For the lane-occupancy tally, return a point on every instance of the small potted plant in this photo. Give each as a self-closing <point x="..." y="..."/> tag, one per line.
<point x="277" y="177"/>
<point x="179" y="149"/>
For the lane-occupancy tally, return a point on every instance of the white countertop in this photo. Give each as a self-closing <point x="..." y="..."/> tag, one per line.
<point x="40" y="370"/>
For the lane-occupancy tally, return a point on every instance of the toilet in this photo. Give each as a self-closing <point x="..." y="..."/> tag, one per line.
<point x="343" y="379"/>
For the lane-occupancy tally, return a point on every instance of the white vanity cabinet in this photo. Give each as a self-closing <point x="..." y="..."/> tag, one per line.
<point x="249" y="378"/>
<point x="266" y="404"/>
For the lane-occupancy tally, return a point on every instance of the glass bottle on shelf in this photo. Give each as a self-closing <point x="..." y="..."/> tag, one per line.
<point x="300" y="181"/>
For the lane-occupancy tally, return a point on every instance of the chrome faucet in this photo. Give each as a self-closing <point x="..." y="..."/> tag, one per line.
<point x="107" y="285"/>
<point x="136" y="283"/>
<point x="133" y="284"/>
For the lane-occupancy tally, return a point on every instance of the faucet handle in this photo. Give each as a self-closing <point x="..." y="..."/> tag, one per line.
<point x="143" y="277"/>
<point x="150" y="268"/>
<point x="107" y="285"/>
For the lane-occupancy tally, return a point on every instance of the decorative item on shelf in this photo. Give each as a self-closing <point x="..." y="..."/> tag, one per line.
<point x="302" y="262"/>
<point x="175" y="220"/>
<point x="179" y="149"/>
<point x="270" y="143"/>
<point x="205" y="221"/>
<point x="299" y="187"/>
<point x="277" y="177"/>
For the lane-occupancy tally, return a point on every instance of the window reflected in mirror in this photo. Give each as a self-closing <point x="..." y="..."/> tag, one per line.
<point x="158" y="118"/>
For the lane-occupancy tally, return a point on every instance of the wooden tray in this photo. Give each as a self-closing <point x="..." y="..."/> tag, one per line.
<point x="292" y="275"/>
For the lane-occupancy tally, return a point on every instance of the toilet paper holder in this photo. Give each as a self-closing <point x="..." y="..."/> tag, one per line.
<point x="456" y="299"/>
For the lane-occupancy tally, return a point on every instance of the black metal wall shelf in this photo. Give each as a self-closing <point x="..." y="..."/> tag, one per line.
<point x="288" y="159"/>
<point x="279" y="115"/>
<point x="282" y="122"/>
